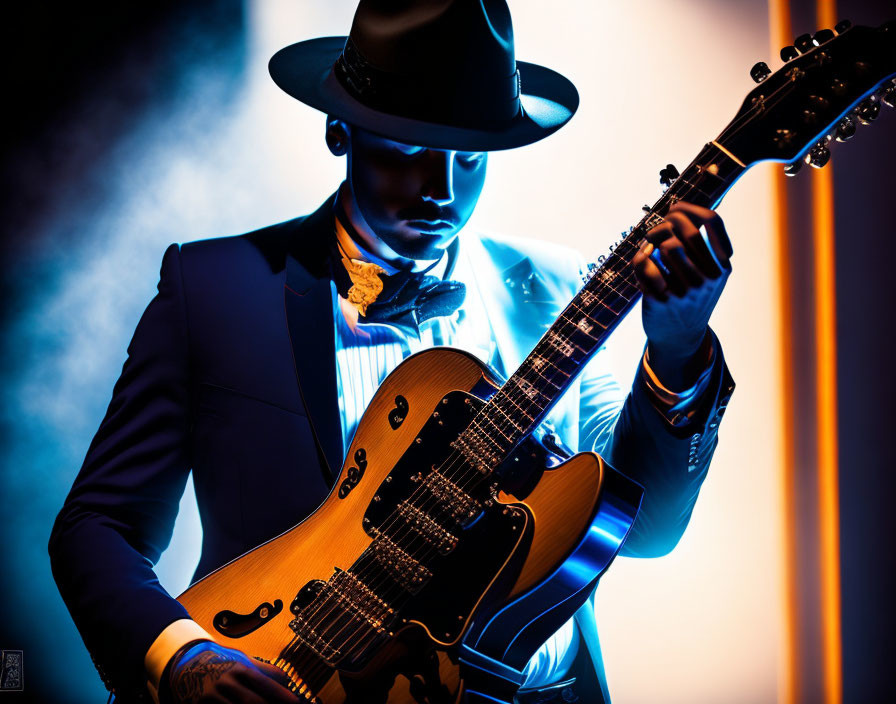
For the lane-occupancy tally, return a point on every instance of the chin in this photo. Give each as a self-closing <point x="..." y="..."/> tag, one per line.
<point x="421" y="245"/>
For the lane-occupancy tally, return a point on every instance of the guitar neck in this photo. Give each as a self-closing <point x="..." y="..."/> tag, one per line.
<point x="609" y="293"/>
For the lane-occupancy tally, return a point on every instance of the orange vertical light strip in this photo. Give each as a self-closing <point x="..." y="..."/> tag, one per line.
<point x="789" y="681"/>
<point x="828" y="471"/>
<point x="826" y="428"/>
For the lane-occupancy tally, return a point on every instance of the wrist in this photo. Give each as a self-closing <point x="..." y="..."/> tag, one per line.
<point x="165" y="688"/>
<point x="678" y="365"/>
<point x="679" y="347"/>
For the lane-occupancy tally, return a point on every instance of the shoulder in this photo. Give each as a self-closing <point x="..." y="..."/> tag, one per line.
<point x="266" y="247"/>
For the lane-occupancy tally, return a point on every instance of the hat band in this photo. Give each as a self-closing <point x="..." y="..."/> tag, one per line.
<point x="462" y="101"/>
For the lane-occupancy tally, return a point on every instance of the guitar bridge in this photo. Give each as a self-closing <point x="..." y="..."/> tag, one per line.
<point x="427" y="528"/>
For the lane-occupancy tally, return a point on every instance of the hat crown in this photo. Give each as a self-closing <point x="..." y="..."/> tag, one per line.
<point x="441" y="61"/>
<point x="452" y="40"/>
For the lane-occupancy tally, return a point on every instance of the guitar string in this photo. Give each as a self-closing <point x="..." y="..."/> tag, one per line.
<point x="510" y="396"/>
<point x="568" y="335"/>
<point x="527" y="399"/>
<point x="502" y="426"/>
<point x="331" y="638"/>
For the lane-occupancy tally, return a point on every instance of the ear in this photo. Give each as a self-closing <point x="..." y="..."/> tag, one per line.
<point x="338" y="136"/>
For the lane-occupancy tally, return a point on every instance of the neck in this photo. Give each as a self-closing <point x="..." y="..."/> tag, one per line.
<point x="367" y="241"/>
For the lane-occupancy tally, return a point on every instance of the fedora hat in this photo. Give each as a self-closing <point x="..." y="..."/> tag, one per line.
<point x="434" y="73"/>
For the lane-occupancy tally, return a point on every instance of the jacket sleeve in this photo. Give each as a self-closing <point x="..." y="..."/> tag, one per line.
<point x="119" y="515"/>
<point x="666" y="447"/>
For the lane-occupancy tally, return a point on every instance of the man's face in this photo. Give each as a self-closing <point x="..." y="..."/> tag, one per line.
<point x="415" y="199"/>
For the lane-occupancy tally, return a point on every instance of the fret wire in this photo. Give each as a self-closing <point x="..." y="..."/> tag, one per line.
<point x="510" y="420"/>
<point x="491" y="421"/>
<point x="529" y="417"/>
<point x="566" y="340"/>
<point x="576" y="326"/>
<point x="523" y="372"/>
<point x="579" y="311"/>
<point x="550" y="362"/>
<point x="596" y="302"/>
<point x="484" y="433"/>
<point x="545" y="379"/>
<point x="697" y="188"/>
<point x="525" y="398"/>
<point x="516" y="380"/>
<point x="618" y="293"/>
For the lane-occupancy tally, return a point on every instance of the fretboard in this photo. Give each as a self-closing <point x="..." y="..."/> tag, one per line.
<point x="609" y="293"/>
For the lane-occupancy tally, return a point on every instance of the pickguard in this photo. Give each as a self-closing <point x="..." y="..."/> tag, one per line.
<point x="468" y="539"/>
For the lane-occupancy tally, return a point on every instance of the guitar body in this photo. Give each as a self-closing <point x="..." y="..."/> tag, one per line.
<point x="399" y="585"/>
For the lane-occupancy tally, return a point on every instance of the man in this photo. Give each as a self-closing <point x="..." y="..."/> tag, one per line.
<point x="262" y="406"/>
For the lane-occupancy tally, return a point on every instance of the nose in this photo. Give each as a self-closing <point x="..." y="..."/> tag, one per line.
<point x="439" y="185"/>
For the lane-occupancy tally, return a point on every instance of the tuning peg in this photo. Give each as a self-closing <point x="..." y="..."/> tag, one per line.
<point x="868" y="110"/>
<point x="760" y="72"/>
<point x="822" y="36"/>
<point x="819" y="155"/>
<point x="788" y="53"/>
<point x="803" y="43"/>
<point x="846" y="129"/>
<point x="888" y="97"/>
<point x="668" y="175"/>
<point x="793" y="167"/>
<point x="842" y="26"/>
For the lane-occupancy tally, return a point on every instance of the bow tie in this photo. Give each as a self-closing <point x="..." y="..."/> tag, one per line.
<point x="404" y="299"/>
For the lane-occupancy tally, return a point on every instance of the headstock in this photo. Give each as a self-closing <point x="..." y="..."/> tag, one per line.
<point x="831" y="83"/>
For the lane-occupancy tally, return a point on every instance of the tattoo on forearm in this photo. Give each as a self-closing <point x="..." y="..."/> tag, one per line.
<point x="199" y="675"/>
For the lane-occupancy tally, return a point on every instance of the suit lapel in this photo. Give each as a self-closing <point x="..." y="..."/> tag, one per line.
<point x="309" y="316"/>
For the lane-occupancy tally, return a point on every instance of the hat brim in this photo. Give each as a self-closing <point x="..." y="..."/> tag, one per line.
<point x="305" y="71"/>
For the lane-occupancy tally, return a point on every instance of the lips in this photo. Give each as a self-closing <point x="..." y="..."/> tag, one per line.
<point x="438" y="225"/>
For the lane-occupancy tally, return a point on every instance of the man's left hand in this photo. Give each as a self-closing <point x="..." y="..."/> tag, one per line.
<point x="682" y="276"/>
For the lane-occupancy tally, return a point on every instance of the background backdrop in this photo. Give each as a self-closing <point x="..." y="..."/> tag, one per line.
<point x="133" y="127"/>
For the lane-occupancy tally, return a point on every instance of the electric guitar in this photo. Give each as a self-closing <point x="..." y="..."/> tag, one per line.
<point x="454" y="544"/>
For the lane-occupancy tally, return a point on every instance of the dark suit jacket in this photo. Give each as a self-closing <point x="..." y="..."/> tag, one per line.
<point x="210" y="384"/>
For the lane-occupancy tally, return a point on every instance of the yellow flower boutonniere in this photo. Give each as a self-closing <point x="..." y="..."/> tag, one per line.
<point x="366" y="282"/>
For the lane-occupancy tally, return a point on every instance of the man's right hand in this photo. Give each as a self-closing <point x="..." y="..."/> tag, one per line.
<point x="208" y="672"/>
